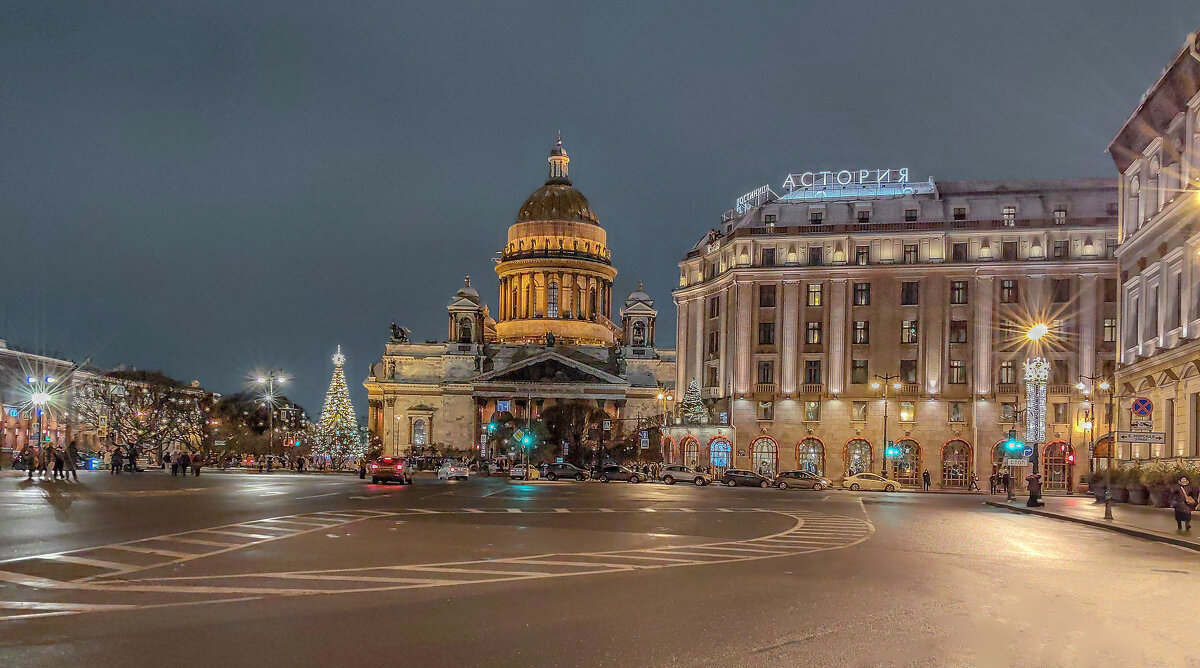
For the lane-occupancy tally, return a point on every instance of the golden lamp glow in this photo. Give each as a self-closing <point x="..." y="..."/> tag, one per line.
<point x="1036" y="332"/>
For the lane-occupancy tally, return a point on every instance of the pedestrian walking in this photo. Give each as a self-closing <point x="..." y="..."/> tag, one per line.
<point x="72" y="457"/>
<point x="29" y="458"/>
<point x="1006" y="481"/>
<point x="132" y="458"/>
<point x="185" y="461"/>
<point x="1034" y="481"/>
<point x="974" y="483"/>
<point x="1183" y="501"/>
<point x="992" y="483"/>
<point x="197" y="462"/>
<point x="925" y="479"/>
<point x="117" y="462"/>
<point x="175" y="464"/>
<point x="59" y="464"/>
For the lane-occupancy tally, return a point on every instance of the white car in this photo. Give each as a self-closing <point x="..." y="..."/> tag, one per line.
<point x="453" y="471"/>
<point x="675" y="472"/>
<point x="520" y="472"/>
<point x="869" y="481"/>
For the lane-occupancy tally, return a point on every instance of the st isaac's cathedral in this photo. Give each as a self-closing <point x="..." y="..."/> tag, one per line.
<point x="553" y="339"/>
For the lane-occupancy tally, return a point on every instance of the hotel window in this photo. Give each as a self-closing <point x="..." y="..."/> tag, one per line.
<point x="814" y="294"/>
<point x="812" y="372"/>
<point x="1061" y="290"/>
<point x="908" y="412"/>
<point x="858" y="372"/>
<point x="864" y="215"/>
<point x="1060" y="216"/>
<point x="858" y="411"/>
<point x="766" y="333"/>
<point x="552" y="300"/>
<point x="812" y="411"/>
<point x="958" y="252"/>
<point x="958" y="372"/>
<point x="768" y="257"/>
<point x="862" y="255"/>
<point x="710" y="379"/>
<point x="958" y="331"/>
<point x="766" y="410"/>
<point x="1009" y="213"/>
<point x="908" y="293"/>
<point x="714" y="342"/>
<point x="1110" y="248"/>
<point x="862" y="332"/>
<point x="816" y="217"/>
<point x="1060" y="249"/>
<point x="1060" y="413"/>
<point x="1008" y="411"/>
<point x="812" y="332"/>
<point x="769" y="219"/>
<point x="714" y="307"/>
<point x="1008" y="291"/>
<point x="960" y="213"/>
<point x="1008" y="373"/>
<point x="910" y="254"/>
<point x="958" y="292"/>
<point x="957" y="411"/>
<point x="1059" y="372"/>
<point x="910" y="215"/>
<point x="766" y="372"/>
<point x="908" y="331"/>
<point x="816" y="256"/>
<point x="1110" y="290"/>
<point x="766" y="296"/>
<point x="908" y="371"/>
<point x="1110" y="330"/>
<point x="862" y="294"/>
<point x="1009" y="251"/>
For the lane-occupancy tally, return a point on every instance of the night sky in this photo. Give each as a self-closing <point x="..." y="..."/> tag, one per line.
<point x="206" y="188"/>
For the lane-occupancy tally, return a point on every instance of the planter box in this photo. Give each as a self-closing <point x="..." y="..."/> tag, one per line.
<point x="1098" y="490"/>
<point x="1160" y="496"/>
<point x="1138" y="494"/>
<point x="1120" y="494"/>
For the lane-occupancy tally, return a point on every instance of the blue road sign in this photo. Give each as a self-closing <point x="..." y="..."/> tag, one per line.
<point x="1142" y="406"/>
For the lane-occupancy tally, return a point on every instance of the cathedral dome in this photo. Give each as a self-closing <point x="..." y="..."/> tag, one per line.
<point x="557" y="200"/>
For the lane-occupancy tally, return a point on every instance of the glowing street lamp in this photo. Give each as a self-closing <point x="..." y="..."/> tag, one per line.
<point x="882" y="382"/>
<point x="269" y="380"/>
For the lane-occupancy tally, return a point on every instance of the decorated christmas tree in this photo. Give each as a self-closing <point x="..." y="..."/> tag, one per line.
<point x="337" y="433"/>
<point x="694" y="411"/>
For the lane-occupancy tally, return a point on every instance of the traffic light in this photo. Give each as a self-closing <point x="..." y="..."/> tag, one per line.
<point x="527" y="439"/>
<point x="1013" y="443"/>
<point x="1071" y="458"/>
<point x="893" y="452"/>
<point x="491" y="427"/>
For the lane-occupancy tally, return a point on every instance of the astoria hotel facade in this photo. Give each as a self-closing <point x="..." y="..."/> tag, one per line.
<point x="807" y="317"/>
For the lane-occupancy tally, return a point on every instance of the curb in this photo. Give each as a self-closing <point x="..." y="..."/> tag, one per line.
<point x="1128" y="531"/>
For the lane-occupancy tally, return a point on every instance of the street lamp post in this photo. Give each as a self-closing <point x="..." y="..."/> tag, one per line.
<point x="1037" y="373"/>
<point x="883" y="381"/>
<point x="274" y="376"/>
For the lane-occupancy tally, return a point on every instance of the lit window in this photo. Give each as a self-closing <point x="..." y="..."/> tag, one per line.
<point x="812" y="332"/>
<point x="858" y="411"/>
<point x="910" y="254"/>
<point x="958" y="372"/>
<point x="958" y="292"/>
<point x="862" y="255"/>
<point x="1060" y="216"/>
<point x="862" y="294"/>
<point x="812" y="411"/>
<point x="957" y="411"/>
<point x="908" y="331"/>
<point x="1008" y="291"/>
<point x="1110" y="330"/>
<point x="1008" y="373"/>
<point x="862" y="331"/>
<point x="1010" y="216"/>
<point x="907" y="412"/>
<point x="814" y="294"/>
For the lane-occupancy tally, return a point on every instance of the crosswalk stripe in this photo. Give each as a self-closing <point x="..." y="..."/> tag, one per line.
<point x="148" y="550"/>
<point x="197" y="541"/>
<point x="230" y="532"/>
<point x="562" y="510"/>
<point x="473" y="510"/>
<point x="514" y="510"/>
<point x="85" y="561"/>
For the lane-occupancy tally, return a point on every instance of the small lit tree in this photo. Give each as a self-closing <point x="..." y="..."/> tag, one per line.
<point x="694" y="410"/>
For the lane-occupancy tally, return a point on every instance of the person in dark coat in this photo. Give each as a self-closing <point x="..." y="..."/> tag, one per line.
<point x="1034" y="480"/>
<point x="117" y="461"/>
<point x="1183" y="501"/>
<point x="185" y="460"/>
<point x="1006" y="482"/>
<point x="925" y="479"/>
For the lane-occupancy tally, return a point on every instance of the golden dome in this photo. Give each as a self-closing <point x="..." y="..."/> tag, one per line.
<point x="557" y="200"/>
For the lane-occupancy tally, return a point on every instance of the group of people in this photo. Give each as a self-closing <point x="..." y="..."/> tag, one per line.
<point x="181" y="462"/>
<point x="56" y="462"/>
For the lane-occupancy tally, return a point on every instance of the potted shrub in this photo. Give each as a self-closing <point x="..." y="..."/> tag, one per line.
<point x="1097" y="484"/>
<point x="1136" y="486"/>
<point x="1116" y="487"/>
<point x="1158" y="479"/>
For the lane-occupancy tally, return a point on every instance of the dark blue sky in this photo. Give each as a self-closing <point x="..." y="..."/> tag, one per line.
<point x="209" y="187"/>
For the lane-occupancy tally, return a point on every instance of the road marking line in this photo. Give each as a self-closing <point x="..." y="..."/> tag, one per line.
<point x="746" y="548"/>
<point x="46" y="605"/>
<point x="725" y="510"/>
<point x="315" y="496"/>
<point x="655" y="558"/>
<point x="648" y="510"/>
<point x="481" y="571"/>
<point x="514" y="510"/>
<point x="84" y="561"/>
<point x="581" y="564"/>
<point x="473" y="510"/>
<point x="259" y="536"/>
<point x="426" y="511"/>
<point x="606" y="510"/>
<point x="562" y="510"/>
<point x="147" y="550"/>
<point x="197" y="541"/>
<point x="686" y="510"/>
<point x="303" y="523"/>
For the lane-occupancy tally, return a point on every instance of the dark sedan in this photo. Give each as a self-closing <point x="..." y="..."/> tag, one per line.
<point x="744" y="478"/>
<point x="390" y="468"/>
<point x="802" y="480"/>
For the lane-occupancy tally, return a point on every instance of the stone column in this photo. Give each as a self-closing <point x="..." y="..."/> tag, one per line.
<point x="681" y="348"/>
<point x="741" y="384"/>
<point x="984" y="296"/>
<point x="1087" y="318"/>
<point x="791" y="316"/>
<point x="932" y="349"/>
<point x="696" y="318"/>
<point x="836" y="336"/>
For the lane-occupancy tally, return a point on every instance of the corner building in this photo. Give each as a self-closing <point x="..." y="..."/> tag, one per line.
<point x="1157" y="153"/>
<point x="796" y="303"/>
<point x="554" y="339"/>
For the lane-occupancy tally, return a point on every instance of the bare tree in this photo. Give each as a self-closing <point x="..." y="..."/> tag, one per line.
<point x="145" y="409"/>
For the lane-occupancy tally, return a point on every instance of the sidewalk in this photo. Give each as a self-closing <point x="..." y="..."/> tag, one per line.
<point x="1156" y="524"/>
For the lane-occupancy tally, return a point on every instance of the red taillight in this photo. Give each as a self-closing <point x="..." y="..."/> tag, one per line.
<point x="399" y="467"/>
<point x="374" y="466"/>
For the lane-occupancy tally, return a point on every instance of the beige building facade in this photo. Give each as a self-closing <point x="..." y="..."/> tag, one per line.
<point x="1157" y="153"/>
<point x="798" y="305"/>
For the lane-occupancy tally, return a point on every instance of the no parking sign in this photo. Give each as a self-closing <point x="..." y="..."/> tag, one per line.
<point x="1142" y="407"/>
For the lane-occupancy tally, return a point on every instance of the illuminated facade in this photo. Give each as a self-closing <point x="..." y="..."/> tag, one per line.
<point x="553" y="339"/>
<point x="800" y="300"/>
<point x="1157" y="153"/>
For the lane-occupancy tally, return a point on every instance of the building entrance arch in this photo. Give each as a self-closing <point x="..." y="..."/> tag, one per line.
<point x="669" y="456"/>
<point x="764" y="456"/>
<point x="858" y="456"/>
<point x="956" y="463"/>
<point x="691" y="451"/>
<point x="1058" y="465"/>
<point x="810" y="455"/>
<point x="906" y="465"/>
<point x="720" y="455"/>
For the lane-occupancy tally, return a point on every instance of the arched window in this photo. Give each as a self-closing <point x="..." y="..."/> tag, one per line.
<point x="956" y="463"/>
<point x="592" y="304"/>
<point x="1058" y="465"/>
<point x="639" y="333"/>
<point x="1135" y="213"/>
<point x="465" y="335"/>
<point x="420" y="432"/>
<point x="552" y="300"/>
<point x="810" y="456"/>
<point x="906" y="465"/>
<point x="512" y="304"/>
<point x="764" y="456"/>
<point x="691" y="451"/>
<point x="857" y="456"/>
<point x="720" y="455"/>
<point x="668" y="450"/>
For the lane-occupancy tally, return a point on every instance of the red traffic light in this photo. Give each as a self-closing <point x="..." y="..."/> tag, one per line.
<point x="1071" y="458"/>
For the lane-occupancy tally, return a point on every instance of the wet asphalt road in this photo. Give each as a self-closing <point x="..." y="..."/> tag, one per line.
<point x="243" y="569"/>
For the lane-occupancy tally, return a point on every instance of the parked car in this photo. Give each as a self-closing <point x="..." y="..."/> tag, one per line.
<point x="736" y="477"/>
<point x="802" y="480"/>
<point x="386" y="469"/>
<point x="615" y="472"/>
<point x="869" y="481"/>
<point x="452" y="470"/>
<point x="523" y="472"/>
<point x="564" y="470"/>
<point x="670" y="474"/>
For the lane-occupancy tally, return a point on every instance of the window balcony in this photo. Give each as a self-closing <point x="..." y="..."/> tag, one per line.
<point x="812" y="388"/>
<point x="1008" y="388"/>
<point x="765" y="388"/>
<point x="910" y="389"/>
<point x="1059" y="389"/>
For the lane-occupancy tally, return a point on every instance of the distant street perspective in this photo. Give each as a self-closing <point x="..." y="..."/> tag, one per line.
<point x="562" y="573"/>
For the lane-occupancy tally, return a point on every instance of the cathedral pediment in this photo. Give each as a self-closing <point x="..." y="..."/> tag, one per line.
<point x="551" y="367"/>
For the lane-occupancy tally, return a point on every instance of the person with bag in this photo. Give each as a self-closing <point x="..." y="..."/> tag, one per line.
<point x="1183" y="501"/>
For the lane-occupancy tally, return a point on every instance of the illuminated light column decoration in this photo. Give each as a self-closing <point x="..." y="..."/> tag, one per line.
<point x="1037" y="372"/>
